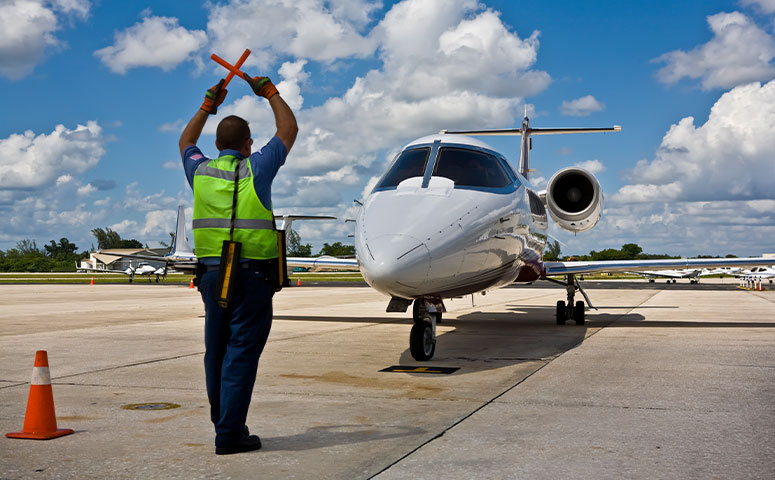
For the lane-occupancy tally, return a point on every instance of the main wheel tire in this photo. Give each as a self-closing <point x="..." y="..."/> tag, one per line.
<point x="578" y="313"/>
<point x="560" y="312"/>
<point x="421" y="343"/>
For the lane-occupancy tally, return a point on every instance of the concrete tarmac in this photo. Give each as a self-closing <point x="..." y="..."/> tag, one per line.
<point x="660" y="383"/>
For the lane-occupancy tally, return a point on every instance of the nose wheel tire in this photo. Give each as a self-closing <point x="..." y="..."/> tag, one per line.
<point x="561" y="313"/>
<point x="578" y="313"/>
<point x="422" y="345"/>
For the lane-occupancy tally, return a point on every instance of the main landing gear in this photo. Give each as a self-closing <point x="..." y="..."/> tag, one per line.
<point x="571" y="311"/>
<point x="422" y="339"/>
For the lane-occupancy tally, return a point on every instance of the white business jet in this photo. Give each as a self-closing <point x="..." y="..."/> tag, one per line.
<point x="450" y="217"/>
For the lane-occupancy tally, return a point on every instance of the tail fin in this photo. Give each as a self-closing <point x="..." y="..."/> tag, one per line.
<point x="180" y="246"/>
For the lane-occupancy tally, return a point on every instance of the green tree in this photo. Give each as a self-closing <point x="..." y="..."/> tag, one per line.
<point x="28" y="247"/>
<point x="294" y="246"/>
<point x="630" y="251"/>
<point x="131" y="243"/>
<point x="336" y="249"/>
<point x="63" y="250"/>
<point x="552" y="251"/>
<point x="108" y="238"/>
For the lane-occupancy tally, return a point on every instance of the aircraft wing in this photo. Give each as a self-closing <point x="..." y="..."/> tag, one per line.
<point x="566" y="268"/>
<point x="151" y="258"/>
<point x="323" y="263"/>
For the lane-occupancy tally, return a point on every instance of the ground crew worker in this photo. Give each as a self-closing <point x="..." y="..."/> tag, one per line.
<point x="235" y="336"/>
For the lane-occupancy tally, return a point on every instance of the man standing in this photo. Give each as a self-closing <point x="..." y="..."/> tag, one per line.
<point x="235" y="335"/>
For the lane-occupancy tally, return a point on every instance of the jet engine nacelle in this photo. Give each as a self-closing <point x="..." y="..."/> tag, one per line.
<point x="574" y="199"/>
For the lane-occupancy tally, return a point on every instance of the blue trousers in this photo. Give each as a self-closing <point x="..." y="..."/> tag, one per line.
<point x="234" y="340"/>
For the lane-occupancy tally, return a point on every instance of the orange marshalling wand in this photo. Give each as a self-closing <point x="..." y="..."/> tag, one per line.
<point x="233" y="69"/>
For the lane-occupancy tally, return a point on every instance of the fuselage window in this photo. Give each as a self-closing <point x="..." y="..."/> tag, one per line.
<point x="410" y="163"/>
<point x="469" y="168"/>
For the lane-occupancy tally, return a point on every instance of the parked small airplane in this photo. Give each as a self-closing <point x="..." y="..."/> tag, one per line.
<point x="763" y="273"/>
<point x="671" y="275"/>
<point x="132" y="271"/>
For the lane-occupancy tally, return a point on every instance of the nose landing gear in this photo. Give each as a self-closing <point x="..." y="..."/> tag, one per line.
<point x="422" y="339"/>
<point x="571" y="311"/>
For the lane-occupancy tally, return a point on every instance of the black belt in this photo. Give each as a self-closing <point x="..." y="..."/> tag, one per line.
<point x="262" y="265"/>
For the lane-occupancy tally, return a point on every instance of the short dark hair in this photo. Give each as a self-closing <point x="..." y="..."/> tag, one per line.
<point x="232" y="133"/>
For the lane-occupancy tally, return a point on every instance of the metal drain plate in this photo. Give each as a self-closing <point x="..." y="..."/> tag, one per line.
<point x="151" y="406"/>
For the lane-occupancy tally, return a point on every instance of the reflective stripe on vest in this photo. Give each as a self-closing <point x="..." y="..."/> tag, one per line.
<point x="213" y="197"/>
<point x="245" y="224"/>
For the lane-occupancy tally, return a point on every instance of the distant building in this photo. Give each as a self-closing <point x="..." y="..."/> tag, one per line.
<point x="113" y="259"/>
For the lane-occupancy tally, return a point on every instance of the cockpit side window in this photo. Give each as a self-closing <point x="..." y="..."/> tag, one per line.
<point x="509" y="171"/>
<point x="470" y="168"/>
<point x="408" y="164"/>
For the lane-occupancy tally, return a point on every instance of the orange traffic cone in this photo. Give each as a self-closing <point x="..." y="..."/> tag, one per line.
<point x="92" y="281"/>
<point x="40" y="422"/>
<point x="191" y="284"/>
<point x="298" y="283"/>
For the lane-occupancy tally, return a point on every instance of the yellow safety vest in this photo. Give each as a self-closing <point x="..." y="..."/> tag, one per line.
<point x="213" y="196"/>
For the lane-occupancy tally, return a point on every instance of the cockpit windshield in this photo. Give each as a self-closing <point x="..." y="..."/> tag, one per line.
<point x="470" y="168"/>
<point x="410" y="163"/>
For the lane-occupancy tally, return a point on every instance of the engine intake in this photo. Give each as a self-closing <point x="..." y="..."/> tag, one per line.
<point x="574" y="199"/>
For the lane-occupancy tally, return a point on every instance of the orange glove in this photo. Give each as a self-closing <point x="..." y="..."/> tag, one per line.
<point x="262" y="86"/>
<point x="214" y="97"/>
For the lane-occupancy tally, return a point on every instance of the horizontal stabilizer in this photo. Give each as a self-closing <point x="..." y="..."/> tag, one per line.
<point x="289" y="219"/>
<point x="533" y="131"/>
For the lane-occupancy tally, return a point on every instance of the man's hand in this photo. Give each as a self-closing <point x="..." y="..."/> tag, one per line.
<point x="262" y="86"/>
<point x="213" y="98"/>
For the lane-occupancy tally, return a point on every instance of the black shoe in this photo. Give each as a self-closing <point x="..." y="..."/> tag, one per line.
<point x="244" y="444"/>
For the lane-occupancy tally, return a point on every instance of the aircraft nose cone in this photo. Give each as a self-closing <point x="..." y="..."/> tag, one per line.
<point x="396" y="264"/>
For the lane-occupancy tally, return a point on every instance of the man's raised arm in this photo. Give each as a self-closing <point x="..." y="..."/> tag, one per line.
<point x="284" y="119"/>
<point x="193" y="130"/>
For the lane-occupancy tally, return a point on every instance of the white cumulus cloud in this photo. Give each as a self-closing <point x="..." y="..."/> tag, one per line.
<point x="729" y="157"/>
<point x="592" y="166"/>
<point x="766" y="6"/>
<point x="27" y="30"/>
<point x="154" y="42"/>
<point x="739" y="52"/>
<point x="29" y="161"/>
<point x="312" y="29"/>
<point x="581" y="107"/>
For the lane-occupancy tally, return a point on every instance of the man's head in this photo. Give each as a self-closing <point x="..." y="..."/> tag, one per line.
<point x="233" y="133"/>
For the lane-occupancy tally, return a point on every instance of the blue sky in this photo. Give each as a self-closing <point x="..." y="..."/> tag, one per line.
<point x="97" y="92"/>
